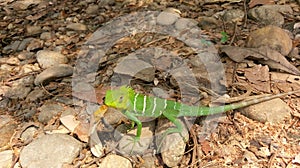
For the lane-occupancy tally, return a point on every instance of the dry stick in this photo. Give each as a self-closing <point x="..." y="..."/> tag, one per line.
<point x="234" y="33"/>
<point x="245" y="16"/>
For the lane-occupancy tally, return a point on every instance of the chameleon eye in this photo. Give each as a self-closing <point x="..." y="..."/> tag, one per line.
<point x="120" y="99"/>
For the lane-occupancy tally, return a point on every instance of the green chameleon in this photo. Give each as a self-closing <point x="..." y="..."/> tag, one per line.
<point x="134" y="104"/>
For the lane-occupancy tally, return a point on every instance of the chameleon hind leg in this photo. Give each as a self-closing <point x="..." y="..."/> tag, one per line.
<point x="171" y="116"/>
<point x="135" y="139"/>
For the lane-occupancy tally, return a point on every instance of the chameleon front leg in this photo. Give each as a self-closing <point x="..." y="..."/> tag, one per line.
<point x="133" y="118"/>
<point x="171" y="115"/>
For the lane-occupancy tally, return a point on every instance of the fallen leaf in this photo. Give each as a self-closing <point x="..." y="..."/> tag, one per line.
<point x="205" y="147"/>
<point x="263" y="54"/>
<point x="253" y="3"/>
<point x="259" y="77"/>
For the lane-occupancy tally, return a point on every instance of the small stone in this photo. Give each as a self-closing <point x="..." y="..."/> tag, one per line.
<point x="167" y="18"/>
<point x="92" y="9"/>
<point x="12" y="47"/>
<point x="184" y="23"/>
<point x="29" y="133"/>
<point x="33" y="30"/>
<point x="54" y="150"/>
<point x="126" y="143"/>
<point x="24" y="43"/>
<point x="208" y="23"/>
<point x="233" y="15"/>
<point x="266" y="16"/>
<point x="53" y="72"/>
<point x="134" y="67"/>
<point x="48" y="111"/>
<point x="115" y="161"/>
<point x="47" y="58"/>
<point x="271" y="36"/>
<point x="35" y="95"/>
<point x="274" y="111"/>
<point x="35" y="44"/>
<point x="13" y="61"/>
<point x="16" y="91"/>
<point x="46" y="36"/>
<point x="77" y="26"/>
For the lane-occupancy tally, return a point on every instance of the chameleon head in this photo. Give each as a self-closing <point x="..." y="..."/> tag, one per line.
<point x="118" y="98"/>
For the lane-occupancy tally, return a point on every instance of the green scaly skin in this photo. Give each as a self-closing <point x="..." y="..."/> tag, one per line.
<point x="134" y="104"/>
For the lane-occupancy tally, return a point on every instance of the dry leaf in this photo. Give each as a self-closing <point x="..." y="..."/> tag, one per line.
<point x="253" y="3"/>
<point x="259" y="77"/>
<point x="263" y="54"/>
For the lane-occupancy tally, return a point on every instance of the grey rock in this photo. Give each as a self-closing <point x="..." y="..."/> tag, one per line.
<point x="47" y="58"/>
<point x="266" y="16"/>
<point x="127" y="146"/>
<point x="233" y="15"/>
<point x="24" y="43"/>
<point x="46" y="36"/>
<point x="184" y="23"/>
<point x="92" y="9"/>
<point x="167" y="18"/>
<point x="12" y="47"/>
<point x="115" y="161"/>
<point x="48" y="111"/>
<point x="33" y="30"/>
<point x="134" y="67"/>
<point x="15" y="91"/>
<point x="35" y="94"/>
<point x="50" y="151"/>
<point x="208" y="23"/>
<point x="274" y="111"/>
<point x="77" y="26"/>
<point x="53" y="72"/>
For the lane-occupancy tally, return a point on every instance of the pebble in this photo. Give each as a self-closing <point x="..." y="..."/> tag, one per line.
<point x="167" y="18"/>
<point x="48" y="58"/>
<point x="16" y="91"/>
<point x="92" y="9"/>
<point x="142" y="70"/>
<point x="53" y="72"/>
<point x="208" y="23"/>
<point x="48" y="111"/>
<point x="33" y="30"/>
<point x="266" y="16"/>
<point x="126" y="143"/>
<point x="35" y="95"/>
<point x="115" y="161"/>
<point x="77" y="26"/>
<point x="184" y="23"/>
<point x="273" y="111"/>
<point x="271" y="36"/>
<point x="233" y="15"/>
<point x="46" y="36"/>
<point x="50" y="151"/>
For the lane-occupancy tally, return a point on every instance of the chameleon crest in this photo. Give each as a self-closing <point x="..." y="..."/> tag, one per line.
<point x="119" y="98"/>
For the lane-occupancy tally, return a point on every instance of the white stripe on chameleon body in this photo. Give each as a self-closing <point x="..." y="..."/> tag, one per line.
<point x="144" y="106"/>
<point x="165" y="106"/>
<point x="154" y="106"/>
<point x="134" y="102"/>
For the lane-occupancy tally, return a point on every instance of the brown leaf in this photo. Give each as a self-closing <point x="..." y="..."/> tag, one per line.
<point x="259" y="77"/>
<point x="263" y="54"/>
<point x="253" y="3"/>
<point x="205" y="147"/>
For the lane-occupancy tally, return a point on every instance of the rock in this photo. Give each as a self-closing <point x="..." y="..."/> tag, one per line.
<point x="77" y="26"/>
<point x="12" y="47"/>
<point x="266" y="16"/>
<point x="149" y="161"/>
<point x="35" y="95"/>
<point x="6" y="158"/>
<point x="126" y="143"/>
<point x="16" y="91"/>
<point x="92" y="9"/>
<point x="47" y="58"/>
<point x="33" y="30"/>
<point x="184" y="23"/>
<point x="48" y="111"/>
<point x="46" y="36"/>
<point x="115" y="161"/>
<point x="29" y="133"/>
<point x="172" y="146"/>
<point x="35" y="44"/>
<point x="208" y="23"/>
<point x="273" y="111"/>
<point x="24" y="43"/>
<point x="233" y="15"/>
<point x="7" y="129"/>
<point x="13" y="61"/>
<point x="167" y="18"/>
<point x="134" y="67"/>
<point x="53" y="72"/>
<point x="50" y="151"/>
<point x="271" y="36"/>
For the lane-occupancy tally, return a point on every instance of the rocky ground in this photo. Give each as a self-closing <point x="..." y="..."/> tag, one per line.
<point x="58" y="58"/>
